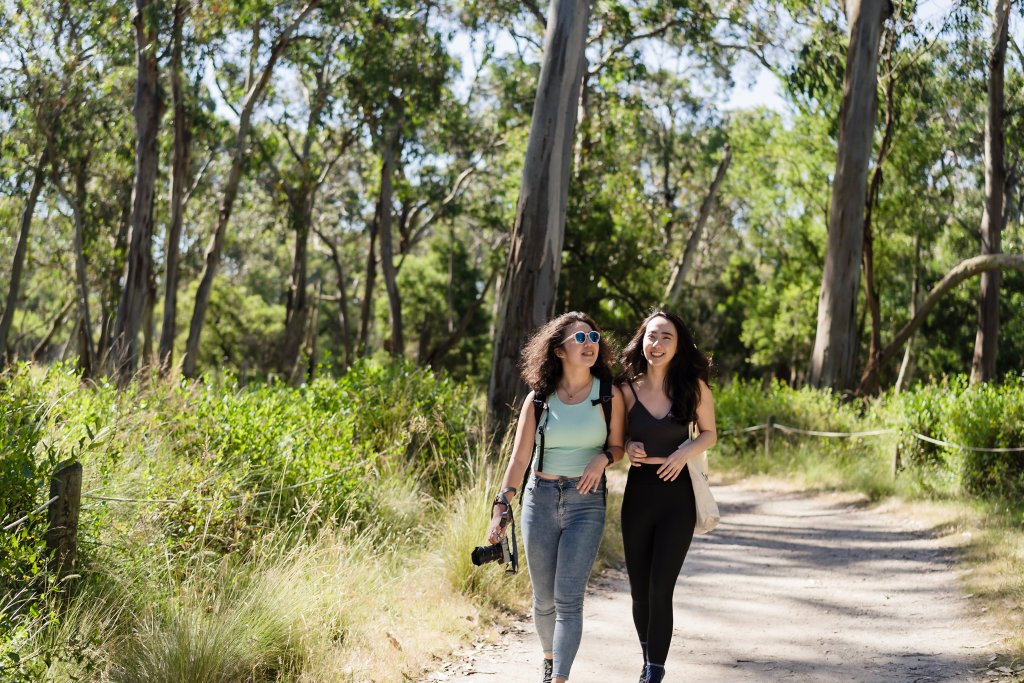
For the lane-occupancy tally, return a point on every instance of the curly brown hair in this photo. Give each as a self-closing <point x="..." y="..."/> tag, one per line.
<point x="541" y="368"/>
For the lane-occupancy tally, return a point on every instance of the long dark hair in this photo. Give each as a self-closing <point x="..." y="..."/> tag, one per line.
<point x="687" y="367"/>
<point x="541" y="368"/>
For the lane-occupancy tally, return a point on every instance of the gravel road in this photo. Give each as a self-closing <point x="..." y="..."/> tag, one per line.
<point x="791" y="587"/>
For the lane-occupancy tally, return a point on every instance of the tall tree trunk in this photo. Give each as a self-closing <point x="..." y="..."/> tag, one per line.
<point x="387" y="260"/>
<point x="83" y="326"/>
<point x="833" y="360"/>
<point x="685" y="263"/>
<point x="871" y="297"/>
<point x="366" y="308"/>
<point x="530" y="282"/>
<point x="239" y="155"/>
<point x="180" y="169"/>
<point x="904" y="375"/>
<point x="301" y="202"/>
<point x="297" y="305"/>
<point x="20" y="251"/>
<point x="148" y="111"/>
<point x="986" y="341"/>
<point x="343" y="320"/>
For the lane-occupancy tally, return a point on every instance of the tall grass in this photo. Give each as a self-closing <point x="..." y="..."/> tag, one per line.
<point x="253" y="574"/>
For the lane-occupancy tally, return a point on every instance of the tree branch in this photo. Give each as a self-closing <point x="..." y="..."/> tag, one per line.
<point x="441" y="350"/>
<point x="964" y="270"/>
<point x="536" y="12"/>
<point x="618" y="49"/>
<point x="685" y="263"/>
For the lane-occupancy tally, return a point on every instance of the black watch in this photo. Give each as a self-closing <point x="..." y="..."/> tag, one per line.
<point x="611" y="459"/>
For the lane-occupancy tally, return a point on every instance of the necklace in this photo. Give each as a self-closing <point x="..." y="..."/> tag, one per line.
<point x="572" y="394"/>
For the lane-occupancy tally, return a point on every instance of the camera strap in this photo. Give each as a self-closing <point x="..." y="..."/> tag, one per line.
<point x="513" y="566"/>
<point x="508" y="526"/>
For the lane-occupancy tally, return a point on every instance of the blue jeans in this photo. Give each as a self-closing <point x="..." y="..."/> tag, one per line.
<point x="562" y="530"/>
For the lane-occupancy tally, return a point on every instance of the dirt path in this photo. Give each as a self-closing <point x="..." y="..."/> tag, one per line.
<point x="791" y="587"/>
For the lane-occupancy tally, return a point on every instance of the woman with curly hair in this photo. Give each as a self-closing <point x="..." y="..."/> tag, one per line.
<point x="564" y="363"/>
<point x="667" y="378"/>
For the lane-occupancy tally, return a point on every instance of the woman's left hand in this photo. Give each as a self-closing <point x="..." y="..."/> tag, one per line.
<point x="673" y="466"/>
<point x="590" y="481"/>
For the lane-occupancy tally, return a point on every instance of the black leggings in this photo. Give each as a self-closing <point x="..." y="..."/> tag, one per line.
<point x="657" y="527"/>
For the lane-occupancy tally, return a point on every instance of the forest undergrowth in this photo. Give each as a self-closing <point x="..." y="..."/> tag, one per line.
<point x="271" y="533"/>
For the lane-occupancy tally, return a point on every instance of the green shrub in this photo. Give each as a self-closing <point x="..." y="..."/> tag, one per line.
<point x="979" y="416"/>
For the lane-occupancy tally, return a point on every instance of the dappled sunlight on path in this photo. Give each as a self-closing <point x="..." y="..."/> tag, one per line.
<point x="791" y="587"/>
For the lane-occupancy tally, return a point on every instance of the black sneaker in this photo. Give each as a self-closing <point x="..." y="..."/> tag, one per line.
<point x="547" y="671"/>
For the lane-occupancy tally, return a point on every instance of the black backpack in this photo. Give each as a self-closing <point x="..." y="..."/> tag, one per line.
<point x="540" y="404"/>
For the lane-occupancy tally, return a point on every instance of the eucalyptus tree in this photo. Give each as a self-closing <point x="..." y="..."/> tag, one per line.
<point x="273" y="30"/>
<point x="148" y="110"/>
<point x="89" y="137"/>
<point x="32" y="92"/>
<point x="60" y="80"/>
<point x="526" y="297"/>
<point x="834" y="357"/>
<point x="180" y="176"/>
<point x="986" y="341"/>
<point x="399" y="71"/>
<point x="312" y="132"/>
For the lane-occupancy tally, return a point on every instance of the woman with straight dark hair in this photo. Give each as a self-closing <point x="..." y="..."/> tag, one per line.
<point x="667" y="380"/>
<point x="564" y="363"/>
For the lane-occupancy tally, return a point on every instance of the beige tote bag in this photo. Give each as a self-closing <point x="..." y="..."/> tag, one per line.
<point x="708" y="516"/>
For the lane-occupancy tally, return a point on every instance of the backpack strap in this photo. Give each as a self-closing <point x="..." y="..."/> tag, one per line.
<point x="540" y="404"/>
<point x="604" y="397"/>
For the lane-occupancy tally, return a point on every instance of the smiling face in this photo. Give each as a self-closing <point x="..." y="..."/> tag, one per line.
<point x="660" y="342"/>
<point x="573" y="353"/>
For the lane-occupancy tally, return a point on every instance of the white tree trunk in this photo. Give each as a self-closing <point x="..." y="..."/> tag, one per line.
<point x="835" y="343"/>
<point x="528" y="288"/>
<point x="179" y="178"/>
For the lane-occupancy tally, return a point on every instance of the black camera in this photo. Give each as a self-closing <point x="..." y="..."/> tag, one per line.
<point x="499" y="552"/>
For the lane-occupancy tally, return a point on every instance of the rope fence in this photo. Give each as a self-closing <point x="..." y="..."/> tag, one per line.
<point x="771" y="424"/>
<point x="239" y="496"/>
<point x="18" y="522"/>
<point x="66" y="496"/>
<point x="65" y="503"/>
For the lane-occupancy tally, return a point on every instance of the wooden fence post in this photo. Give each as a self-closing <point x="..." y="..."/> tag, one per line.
<point x="768" y="436"/>
<point x="62" y="533"/>
<point x="897" y="460"/>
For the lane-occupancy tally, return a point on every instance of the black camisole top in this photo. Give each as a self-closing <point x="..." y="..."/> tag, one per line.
<point x="659" y="437"/>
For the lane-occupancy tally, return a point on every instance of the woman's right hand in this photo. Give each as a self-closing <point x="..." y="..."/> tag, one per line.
<point x="636" y="453"/>
<point x="496" y="530"/>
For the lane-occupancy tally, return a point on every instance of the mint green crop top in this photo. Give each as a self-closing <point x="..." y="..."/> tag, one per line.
<point x="574" y="434"/>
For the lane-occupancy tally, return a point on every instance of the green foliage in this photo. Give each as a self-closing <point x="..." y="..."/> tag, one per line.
<point x="233" y="463"/>
<point x="31" y="596"/>
<point x="438" y="290"/>
<point x="978" y="416"/>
